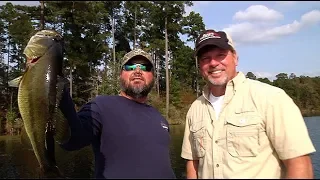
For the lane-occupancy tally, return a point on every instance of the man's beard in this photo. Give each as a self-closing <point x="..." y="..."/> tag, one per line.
<point x="221" y="82"/>
<point x="136" y="91"/>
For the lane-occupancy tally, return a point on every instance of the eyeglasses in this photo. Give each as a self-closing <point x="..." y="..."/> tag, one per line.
<point x="132" y="67"/>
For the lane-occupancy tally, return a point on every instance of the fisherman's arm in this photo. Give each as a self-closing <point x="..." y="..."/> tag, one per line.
<point x="192" y="168"/>
<point x="299" y="168"/>
<point x="284" y="120"/>
<point x="83" y="124"/>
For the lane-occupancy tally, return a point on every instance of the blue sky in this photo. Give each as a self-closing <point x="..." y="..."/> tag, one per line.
<point x="270" y="36"/>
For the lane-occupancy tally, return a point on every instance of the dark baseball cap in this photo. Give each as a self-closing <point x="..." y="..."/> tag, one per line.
<point x="216" y="38"/>
<point x="136" y="52"/>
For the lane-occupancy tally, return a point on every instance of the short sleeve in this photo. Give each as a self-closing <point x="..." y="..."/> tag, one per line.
<point x="187" y="145"/>
<point x="286" y="127"/>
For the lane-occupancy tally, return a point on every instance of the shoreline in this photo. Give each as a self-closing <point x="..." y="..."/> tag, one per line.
<point x="305" y="114"/>
<point x="308" y="113"/>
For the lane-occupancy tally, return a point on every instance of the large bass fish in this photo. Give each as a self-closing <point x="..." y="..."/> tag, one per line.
<point x="40" y="90"/>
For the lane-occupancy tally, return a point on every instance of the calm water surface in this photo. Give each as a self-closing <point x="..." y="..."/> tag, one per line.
<point x="18" y="161"/>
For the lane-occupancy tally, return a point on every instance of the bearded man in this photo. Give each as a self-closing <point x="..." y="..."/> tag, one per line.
<point x="130" y="139"/>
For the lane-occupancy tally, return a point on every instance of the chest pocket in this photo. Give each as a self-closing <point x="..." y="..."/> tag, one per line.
<point x="243" y="136"/>
<point x="198" y="135"/>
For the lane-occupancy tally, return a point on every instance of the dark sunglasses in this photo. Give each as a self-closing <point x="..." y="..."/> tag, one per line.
<point x="132" y="67"/>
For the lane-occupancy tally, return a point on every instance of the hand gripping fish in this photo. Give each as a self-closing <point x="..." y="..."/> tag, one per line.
<point x="39" y="92"/>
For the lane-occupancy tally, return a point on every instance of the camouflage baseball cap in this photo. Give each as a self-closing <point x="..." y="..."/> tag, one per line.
<point x="136" y="52"/>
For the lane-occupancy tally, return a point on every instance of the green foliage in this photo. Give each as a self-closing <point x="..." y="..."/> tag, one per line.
<point x="282" y="76"/>
<point x="305" y="91"/>
<point x="250" y="75"/>
<point x="87" y="30"/>
<point x="175" y="89"/>
<point x="110" y="77"/>
<point x="265" y="80"/>
<point x="177" y="112"/>
<point x="11" y="116"/>
<point x="192" y="26"/>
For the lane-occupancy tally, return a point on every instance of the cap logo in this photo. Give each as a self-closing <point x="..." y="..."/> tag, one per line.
<point x="209" y="36"/>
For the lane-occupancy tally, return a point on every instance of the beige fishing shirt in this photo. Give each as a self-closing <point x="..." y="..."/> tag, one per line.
<point x="258" y="126"/>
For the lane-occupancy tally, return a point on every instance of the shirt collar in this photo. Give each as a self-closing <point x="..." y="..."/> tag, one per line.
<point x="232" y="85"/>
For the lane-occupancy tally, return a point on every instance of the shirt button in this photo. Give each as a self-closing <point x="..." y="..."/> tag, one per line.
<point x="216" y="141"/>
<point x="217" y="165"/>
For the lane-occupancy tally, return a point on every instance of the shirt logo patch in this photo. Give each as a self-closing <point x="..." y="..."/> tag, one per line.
<point x="242" y="121"/>
<point x="164" y="126"/>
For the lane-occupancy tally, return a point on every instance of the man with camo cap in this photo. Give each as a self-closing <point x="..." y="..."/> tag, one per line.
<point x="130" y="138"/>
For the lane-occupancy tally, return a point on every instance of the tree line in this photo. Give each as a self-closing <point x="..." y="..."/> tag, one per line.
<point x="304" y="90"/>
<point x="97" y="34"/>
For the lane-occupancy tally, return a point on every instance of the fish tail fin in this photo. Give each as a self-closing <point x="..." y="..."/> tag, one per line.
<point x="57" y="171"/>
<point x="63" y="132"/>
<point x="62" y="85"/>
<point x="50" y="172"/>
<point x="24" y="139"/>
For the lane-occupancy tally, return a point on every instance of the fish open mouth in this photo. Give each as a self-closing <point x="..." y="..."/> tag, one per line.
<point x="34" y="60"/>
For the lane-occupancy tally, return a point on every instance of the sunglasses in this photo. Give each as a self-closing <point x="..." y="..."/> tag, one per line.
<point x="132" y="67"/>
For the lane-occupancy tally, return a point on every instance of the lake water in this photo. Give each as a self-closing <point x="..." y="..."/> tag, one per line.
<point x="17" y="161"/>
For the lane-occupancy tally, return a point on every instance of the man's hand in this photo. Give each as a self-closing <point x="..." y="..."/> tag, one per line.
<point x="192" y="169"/>
<point x="299" y="168"/>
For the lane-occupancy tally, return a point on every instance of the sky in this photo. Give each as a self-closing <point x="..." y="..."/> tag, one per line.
<point x="270" y="37"/>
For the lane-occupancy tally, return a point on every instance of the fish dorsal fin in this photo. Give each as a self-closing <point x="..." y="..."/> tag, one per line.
<point x="15" y="82"/>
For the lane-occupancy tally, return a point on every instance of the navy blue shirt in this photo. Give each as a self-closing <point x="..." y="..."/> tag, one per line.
<point x="129" y="139"/>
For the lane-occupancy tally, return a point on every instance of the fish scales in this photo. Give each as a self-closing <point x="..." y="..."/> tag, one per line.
<point x="40" y="90"/>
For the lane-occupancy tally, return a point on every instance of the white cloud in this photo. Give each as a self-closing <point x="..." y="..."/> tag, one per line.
<point x="269" y="75"/>
<point x="311" y="18"/>
<point x="311" y="74"/>
<point x="258" y="13"/>
<point x="247" y="32"/>
<point x="187" y="10"/>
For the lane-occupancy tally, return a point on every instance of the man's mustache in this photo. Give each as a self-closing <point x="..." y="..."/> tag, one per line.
<point x="137" y="77"/>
